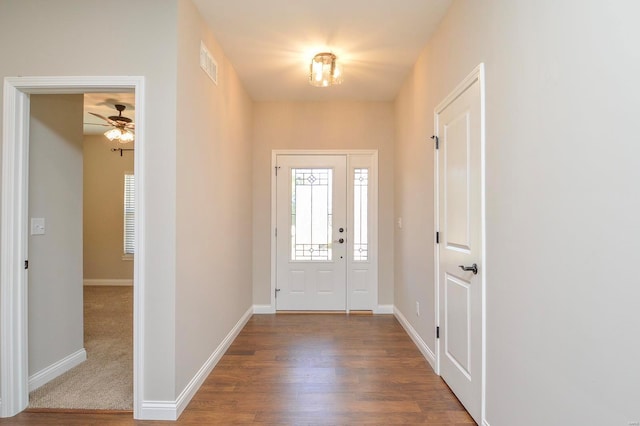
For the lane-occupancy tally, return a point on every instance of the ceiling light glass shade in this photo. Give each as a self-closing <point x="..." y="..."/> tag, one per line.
<point x="123" y="136"/>
<point x="113" y="134"/>
<point x="126" y="136"/>
<point x="324" y="70"/>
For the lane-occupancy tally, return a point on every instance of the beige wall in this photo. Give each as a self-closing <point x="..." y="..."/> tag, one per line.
<point x="213" y="269"/>
<point x="68" y="37"/>
<point x="562" y="208"/>
<point x="320" y="125"/>
<point x="414" y="203"/>
<point x="104" y="209"/>
<point x="55" y="321"/>
<point x="562" y="171"/>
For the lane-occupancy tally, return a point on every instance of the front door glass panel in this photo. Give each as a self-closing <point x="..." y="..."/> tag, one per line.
<point x="311" y="214"/>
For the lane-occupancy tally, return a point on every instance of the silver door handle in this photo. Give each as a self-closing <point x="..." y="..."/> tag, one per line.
<point x="473" y="268"/>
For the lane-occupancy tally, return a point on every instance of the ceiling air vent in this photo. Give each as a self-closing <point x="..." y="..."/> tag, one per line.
<point x="208" y="64"/>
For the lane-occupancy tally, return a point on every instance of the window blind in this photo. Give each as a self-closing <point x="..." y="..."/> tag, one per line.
<point x="129" y="214"/>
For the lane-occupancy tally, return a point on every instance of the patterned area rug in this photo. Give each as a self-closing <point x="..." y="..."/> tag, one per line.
<point x="105" y="380"/>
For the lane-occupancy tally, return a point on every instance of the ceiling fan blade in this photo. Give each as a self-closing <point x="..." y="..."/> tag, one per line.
<point x="130" y="126"/>
<point x="97" y="124"/>
<point x="113" y="123"/>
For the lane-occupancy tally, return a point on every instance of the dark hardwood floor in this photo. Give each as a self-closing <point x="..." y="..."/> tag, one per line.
<point x="308" y="370"/>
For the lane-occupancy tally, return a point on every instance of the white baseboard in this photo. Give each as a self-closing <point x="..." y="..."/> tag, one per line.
<point x="56" y="369"/>
<point x="171" y="410"/>
<point x="383" y="309"/>
<point x="158" y="410"/>
<point x="108" y="282"/>
<point x="268" y="309"/>
<point x="190" y="390"/>
<point x="422" y="346"/>
<point x="263" y="309"/>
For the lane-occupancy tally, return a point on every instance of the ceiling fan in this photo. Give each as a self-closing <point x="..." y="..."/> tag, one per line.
<point x="123" y="127"/>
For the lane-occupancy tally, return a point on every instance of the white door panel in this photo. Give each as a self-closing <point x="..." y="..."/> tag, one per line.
<point x="456" y="331"/>
<point x="460" y="226"/>
<point x="362" y="270"/>
<point x="311" y="221"/>
<point x="456" y="180"/>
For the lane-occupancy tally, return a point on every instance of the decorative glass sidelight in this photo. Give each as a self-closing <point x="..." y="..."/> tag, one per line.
<point x="360" y="223"/>
<point x="311" y="214"/>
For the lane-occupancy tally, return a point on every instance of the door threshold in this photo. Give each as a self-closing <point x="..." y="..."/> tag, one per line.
<point x="324" y="313"/>
<point x="76" y="411"/>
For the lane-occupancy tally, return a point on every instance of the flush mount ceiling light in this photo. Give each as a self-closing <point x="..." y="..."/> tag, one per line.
<point x="324" y="70"/>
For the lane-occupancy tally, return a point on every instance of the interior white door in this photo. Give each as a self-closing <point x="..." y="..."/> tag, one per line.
<point x="311" y="232"/>
<point x="460" y="248"/>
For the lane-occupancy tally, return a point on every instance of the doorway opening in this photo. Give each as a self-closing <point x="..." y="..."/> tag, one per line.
<point x="80" y="298"/>
<point x="15" y="226"/>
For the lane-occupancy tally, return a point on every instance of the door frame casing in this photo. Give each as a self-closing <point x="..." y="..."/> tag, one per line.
<point x="373" y="217"/>
<point x="14" y="389"/>
<point x="478" y="74"/>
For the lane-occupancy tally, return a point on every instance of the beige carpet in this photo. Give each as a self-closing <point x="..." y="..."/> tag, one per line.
<point x="105" y="380"/>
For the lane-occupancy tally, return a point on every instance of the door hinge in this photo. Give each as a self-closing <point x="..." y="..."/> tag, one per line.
<point x="276" y="232"/>
<point x="437" y="332"/>
<point x="437" y="237"/>
<point x="276" y="167"/>
<point x="26" y="264"/>
<point x="276" y="292"/>
<point x="437" y="140"/>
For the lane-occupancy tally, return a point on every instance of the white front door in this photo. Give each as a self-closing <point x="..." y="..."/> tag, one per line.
<point x="459" y="129"/>
<point x="311" y="232"/>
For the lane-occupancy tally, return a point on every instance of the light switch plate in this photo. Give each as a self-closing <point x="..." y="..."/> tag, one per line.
<point x="37" y="226"/>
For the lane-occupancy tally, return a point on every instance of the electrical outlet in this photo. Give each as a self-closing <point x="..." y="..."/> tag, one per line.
<point x="418" y="308"/>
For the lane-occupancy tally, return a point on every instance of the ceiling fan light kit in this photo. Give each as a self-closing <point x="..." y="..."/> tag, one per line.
<point x="325" y="70"/>
<point x="123" y="136"/>
<point x="122" y="126"/>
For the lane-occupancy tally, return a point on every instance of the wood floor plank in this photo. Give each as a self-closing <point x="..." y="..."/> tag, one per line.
<point x="309" y="370"/>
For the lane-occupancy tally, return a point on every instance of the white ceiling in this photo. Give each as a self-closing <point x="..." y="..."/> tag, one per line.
<point x="271" y="42"/>
<point x="103" y="104"/>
